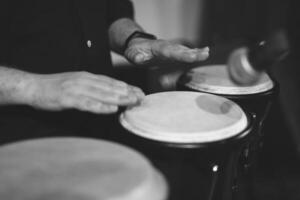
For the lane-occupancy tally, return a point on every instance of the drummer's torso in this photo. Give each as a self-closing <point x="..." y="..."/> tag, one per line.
<point x="51" y="36"/>
<point x="22" y="122"/>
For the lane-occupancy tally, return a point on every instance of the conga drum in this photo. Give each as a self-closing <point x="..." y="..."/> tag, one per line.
<point x="190" y="124"/>
<point x="255" y="99"/>
<point x="77" y="169"/>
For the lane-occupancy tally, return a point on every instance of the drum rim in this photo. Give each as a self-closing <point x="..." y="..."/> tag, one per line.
<point x="272" y="92"/>
<point x="214" y="90"/>
<point x="156" y="181"/>
<point x="243" y="135"/>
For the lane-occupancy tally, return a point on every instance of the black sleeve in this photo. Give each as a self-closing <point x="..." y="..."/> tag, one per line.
<point x="119" y="9"/>
<point x="4" y="31"/>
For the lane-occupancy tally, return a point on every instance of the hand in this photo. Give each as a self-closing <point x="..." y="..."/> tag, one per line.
<point x="83" y="91"/>
<point x="144" y="51"/>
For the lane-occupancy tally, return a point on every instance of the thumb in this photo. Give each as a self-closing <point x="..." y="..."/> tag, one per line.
<point x="142" y="57"/>
<point x="139" y="56"/>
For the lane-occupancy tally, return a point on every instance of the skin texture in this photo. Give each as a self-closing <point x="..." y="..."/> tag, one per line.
<point x="80" y="90"/>
<point x="90" y="92"/>
<point x="144" y="51"/>
<point x="83" y="91"/>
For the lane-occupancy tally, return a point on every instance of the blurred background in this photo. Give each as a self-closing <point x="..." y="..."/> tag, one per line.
<point x="224" y="25"/>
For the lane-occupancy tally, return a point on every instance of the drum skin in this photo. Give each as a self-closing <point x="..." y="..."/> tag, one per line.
<point x="77" y="169"/>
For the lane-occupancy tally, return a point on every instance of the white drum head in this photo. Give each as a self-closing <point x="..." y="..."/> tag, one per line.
<point x="76" y="169"/>
<point x="215" y="79"/>
<point x="185" y="117"/>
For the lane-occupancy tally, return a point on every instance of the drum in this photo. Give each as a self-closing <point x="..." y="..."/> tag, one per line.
<point x="256" y="99"/>
<point x="190" y="124"/>
<point x="77" y="169"/>
<point x="215" y="79"/>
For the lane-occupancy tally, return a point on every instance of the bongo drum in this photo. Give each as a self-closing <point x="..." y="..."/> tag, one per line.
<point x="77" y="169"/>
<point x="256" y="99"/>
<point x="215" y="79"/>
<point x="192" y="122"/>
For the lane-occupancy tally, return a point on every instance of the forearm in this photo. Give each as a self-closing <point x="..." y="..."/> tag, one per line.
<point x="15" y="86"/>
<point x="119" y="31"/>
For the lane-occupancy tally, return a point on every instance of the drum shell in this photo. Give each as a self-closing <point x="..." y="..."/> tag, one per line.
<point x="213" y="148"/>
<point x="156" y="149"/>
<point x="173" y="159"/>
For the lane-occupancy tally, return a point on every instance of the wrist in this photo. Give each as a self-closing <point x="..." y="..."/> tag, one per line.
<point x="26" y="89"/>
<point x="15" y="86"/>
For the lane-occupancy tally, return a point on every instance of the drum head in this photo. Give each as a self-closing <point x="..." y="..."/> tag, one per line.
<point x="185" y="117"/>
<point x="76" y="169"/>
<point x="215" y="79"/>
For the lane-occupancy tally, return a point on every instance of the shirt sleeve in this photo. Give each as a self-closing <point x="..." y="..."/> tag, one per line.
<point x="4" y="31"/>
<point x="119" y="9"/>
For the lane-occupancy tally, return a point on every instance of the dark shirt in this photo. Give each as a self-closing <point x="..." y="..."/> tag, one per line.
<point x="52" y="36"/>
<point x="293" y="31"/>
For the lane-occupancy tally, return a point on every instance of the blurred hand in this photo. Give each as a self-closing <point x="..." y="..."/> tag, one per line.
<point x="144" y="51"/>
<point x="83" y="91"/>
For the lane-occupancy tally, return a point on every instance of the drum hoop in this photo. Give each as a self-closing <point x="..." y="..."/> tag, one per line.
<point x="242" y="136"/>
<point x="271" y="92"/>
<point x="229" y="90"/>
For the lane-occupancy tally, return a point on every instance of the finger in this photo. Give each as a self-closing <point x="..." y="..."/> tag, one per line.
<point x="139" y="55"/>
<point x="180" y="53"/>
<point x="142" y="57"/>
<point x="107" y="79"/>
<point x="92" y="105"/>
<point x="112" y="81"/>
<point x="137" y="92"/>
<point x="107" y="84"/>
<point x="194" y="55"/>
<point x="121" y="94"/>
<point x="105" y="89"/>
<point x="107" y="96"/>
